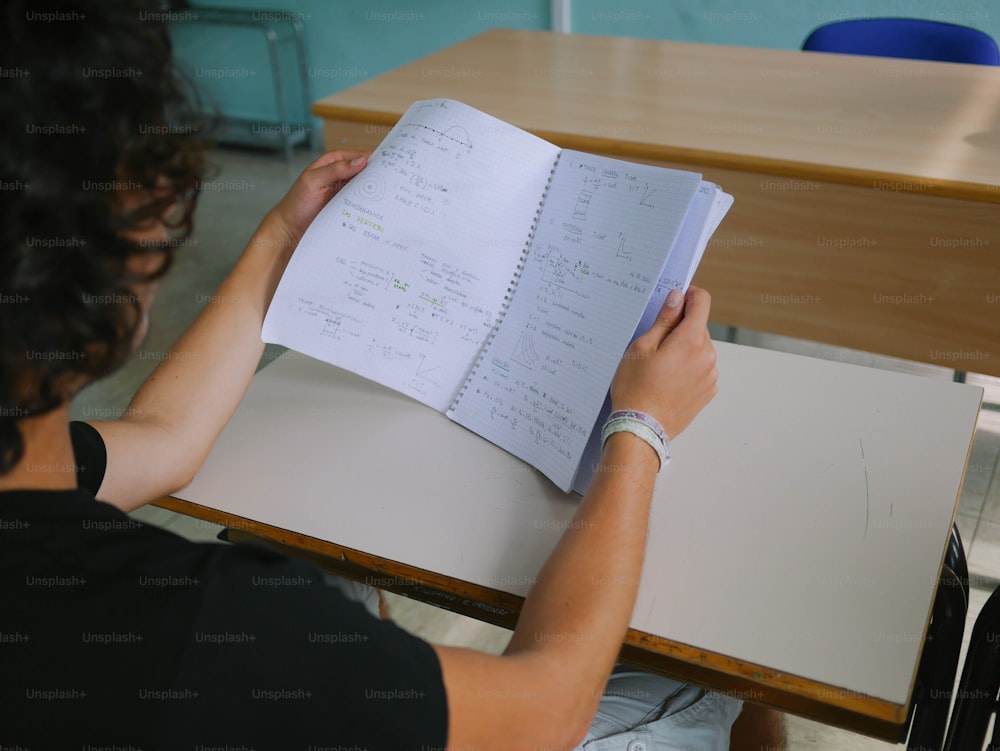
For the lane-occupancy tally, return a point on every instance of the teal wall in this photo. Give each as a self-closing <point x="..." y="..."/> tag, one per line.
<point x="348" y="41"/>
<point x="778" y="24"/>
<point x="352" y="40"/>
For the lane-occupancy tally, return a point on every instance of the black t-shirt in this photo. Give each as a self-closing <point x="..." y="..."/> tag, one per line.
<point x="115" y="634"/>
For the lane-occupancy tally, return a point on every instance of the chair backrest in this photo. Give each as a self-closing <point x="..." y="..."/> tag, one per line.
<point x="938" y="665"/>
<point x="905" y="37"/>
<point x="976" y="696"/>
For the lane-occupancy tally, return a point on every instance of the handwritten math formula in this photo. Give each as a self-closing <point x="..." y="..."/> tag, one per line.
<point x="407" y="269"/>
<point x="595" y="255"/>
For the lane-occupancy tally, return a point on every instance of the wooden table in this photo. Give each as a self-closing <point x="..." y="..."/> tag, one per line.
<point x="866" y="188"/>
<point x="794" y="547"/>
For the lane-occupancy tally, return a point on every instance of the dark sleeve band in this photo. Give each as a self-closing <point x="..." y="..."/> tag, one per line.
<point x="91" y="456"/>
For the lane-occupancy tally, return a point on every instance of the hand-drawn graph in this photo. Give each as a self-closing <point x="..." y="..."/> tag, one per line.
<point x="459" y="135"/>
<point x="454" y="133"/>
<point x="369" y="187"/>
<point x="425" y="373"/>
<point x="647" y="197"/>
<point x="331" y="327"/>
<point x="582" y="204"/>
<point x="338" y="326"/>
<point x="621" y="252"/>
<point x="524" y="351"/>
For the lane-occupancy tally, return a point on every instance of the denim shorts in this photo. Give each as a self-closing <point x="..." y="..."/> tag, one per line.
<point x="642" y="712"/>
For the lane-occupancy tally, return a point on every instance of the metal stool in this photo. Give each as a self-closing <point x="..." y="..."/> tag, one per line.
<point x="278" y="27"/>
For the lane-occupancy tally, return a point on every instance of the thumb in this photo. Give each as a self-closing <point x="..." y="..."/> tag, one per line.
<point x="341" y="169"/>
<point x="667" y="319"/>
<point x="331" y="157"/>
<point x="327" y="179"/>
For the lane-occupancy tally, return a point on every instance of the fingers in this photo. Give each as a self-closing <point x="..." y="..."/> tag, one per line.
<point x="331" y="171"/>
<point x="670" y="371"/>
<point x="690" y="312"/>
<point x="331" y="157"/>
<point x="350" y="164"/>
<point x="668" y="317"/>
<point x="697" y="305"/>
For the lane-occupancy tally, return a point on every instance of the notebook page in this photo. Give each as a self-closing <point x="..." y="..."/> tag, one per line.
<point x="707" y="210"/>
<point x="402" y="276"/>
<point x="721" y="204"/>
<point x="599" y="246"/>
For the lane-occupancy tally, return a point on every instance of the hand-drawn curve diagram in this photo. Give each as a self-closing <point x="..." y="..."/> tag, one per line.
<point x="454" y="133"/>
<point x="459" y="135"/>
<point x="524" y="351"/>
<point x="369" y="187"/>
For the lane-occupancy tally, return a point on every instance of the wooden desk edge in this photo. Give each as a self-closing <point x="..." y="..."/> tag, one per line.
<point x="700" y="159"/>
<point x="754" y="683"/>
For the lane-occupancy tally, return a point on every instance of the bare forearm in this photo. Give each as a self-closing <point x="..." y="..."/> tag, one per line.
<point x="576" y="615"/>
<point x="178" y="413"/>
<point x="580" y="607"/>
<point x="202" y="379"/>
<point x="199" y="383"/>
<point x="545" y="689"/>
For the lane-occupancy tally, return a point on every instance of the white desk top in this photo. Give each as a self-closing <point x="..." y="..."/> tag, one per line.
<point x="800" y="526"/>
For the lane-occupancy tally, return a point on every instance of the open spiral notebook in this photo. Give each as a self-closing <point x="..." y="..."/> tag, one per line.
<point x="494" y="277"/>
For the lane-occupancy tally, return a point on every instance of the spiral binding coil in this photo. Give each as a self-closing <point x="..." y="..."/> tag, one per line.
<point x="512" y="285"/>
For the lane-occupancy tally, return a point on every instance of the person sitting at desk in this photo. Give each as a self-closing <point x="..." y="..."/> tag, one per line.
<point x="121" y="635"/>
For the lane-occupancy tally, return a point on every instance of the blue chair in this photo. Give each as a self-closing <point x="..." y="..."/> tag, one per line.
<point x="905" y="37"/>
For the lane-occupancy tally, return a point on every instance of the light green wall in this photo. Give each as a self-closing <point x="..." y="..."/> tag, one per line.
<point x="778" y="24"/>
<point x="352" y="40"/>
<point x="348" y="41"/>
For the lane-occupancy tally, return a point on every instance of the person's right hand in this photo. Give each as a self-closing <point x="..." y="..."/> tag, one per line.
<point x="669" y="372"/>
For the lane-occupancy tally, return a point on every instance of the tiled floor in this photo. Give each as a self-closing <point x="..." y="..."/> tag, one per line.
<point x="248" y="184"/>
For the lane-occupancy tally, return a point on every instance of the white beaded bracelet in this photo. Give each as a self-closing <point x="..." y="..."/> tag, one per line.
<point x="641" y="425"/>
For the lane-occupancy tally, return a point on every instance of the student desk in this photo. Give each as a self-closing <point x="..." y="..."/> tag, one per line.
<point x="794" y="549"/>
<point x="866" y="188"/>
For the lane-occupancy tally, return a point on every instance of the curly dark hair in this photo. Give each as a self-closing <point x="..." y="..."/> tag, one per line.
<point x="94" y="110"/>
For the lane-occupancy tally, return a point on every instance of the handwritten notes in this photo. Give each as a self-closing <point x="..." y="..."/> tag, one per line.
<point x="402" y="276"/>
<point x="707" y="210"/>
<point x="602" y="237"/>
<point x="486" y="273"/>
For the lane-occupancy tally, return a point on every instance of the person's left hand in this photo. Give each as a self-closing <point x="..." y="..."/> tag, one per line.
<point x="317" y="184"/>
